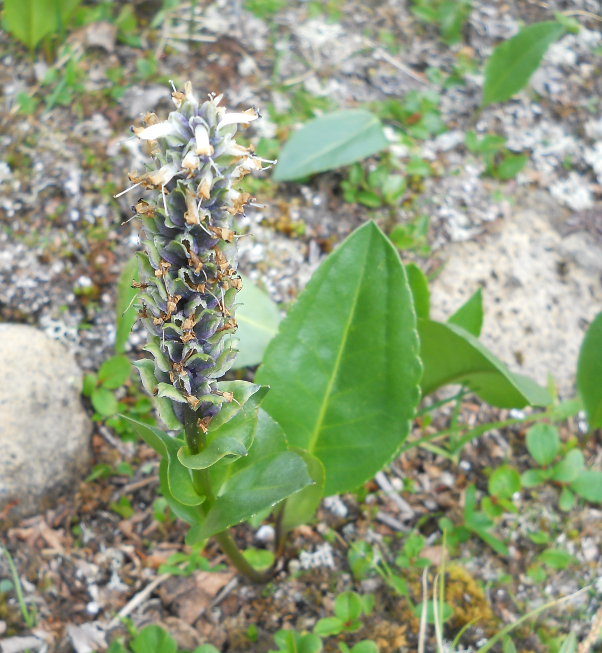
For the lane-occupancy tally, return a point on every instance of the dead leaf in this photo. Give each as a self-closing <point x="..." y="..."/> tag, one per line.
<point x="101" y="35"/>
<point x="87" y="638"/>
<point x="53" y="538"/>
<point x="192" y="605"/>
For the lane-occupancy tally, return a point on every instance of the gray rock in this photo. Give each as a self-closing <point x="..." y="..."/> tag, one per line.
<point x="44" y="430"/>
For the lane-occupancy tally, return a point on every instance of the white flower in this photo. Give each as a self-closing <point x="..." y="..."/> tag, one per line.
<point x="164" y="175"/>
<point x="160" y="130"/>
<point x="203" y="146"/>
<point x="233" y="118"/>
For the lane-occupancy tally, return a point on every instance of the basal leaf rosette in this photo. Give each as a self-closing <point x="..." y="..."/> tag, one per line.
<point x="188" y="269"/>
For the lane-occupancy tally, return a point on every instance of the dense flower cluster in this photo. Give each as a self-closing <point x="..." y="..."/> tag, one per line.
<point x="188" y="272"/>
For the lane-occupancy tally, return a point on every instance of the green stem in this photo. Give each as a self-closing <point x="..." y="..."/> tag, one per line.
<point x="201" y="479"/>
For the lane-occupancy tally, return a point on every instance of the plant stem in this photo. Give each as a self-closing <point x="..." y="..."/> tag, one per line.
<point x="196" y="442"/>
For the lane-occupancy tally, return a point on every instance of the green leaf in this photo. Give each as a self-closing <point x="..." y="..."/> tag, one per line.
<point x="452" y="355"/>
<point x="588" y="485"/>
<point x="190" y="514"/>
<point x="348" y="606"/>
<point x="538" y="537"/>
<point x="205" y="648"/>
<point x="178" y="476"/>
<point x="253" y="489"/>
<point x="343" y="369"/>
<point x="555" y="558"/>
<point x="514" y="61"/>
<point x="504" y="482"/>
<point x="104" y="402"/>
<point x="533" y="477"/>
<point x="565" y="409"/>
<point x="420" y="290"/>
<point x="114" y="372"/>
<point x="448" y="612"/>
<point x="123" y="508"/>
<point x="470" y="315"/>
<point x="570" y="24"/>
<point x="153" y="639"/>
<point x="30" y="20"/>
<point x="589" y="373"/>
<point x="117" y="647"/>
<point x="367" y="646"/>
<point x="508" y="645"/>
<point x="301" y="507"/>
<point x="570" y="643"/>
<point x="497" y="545"/>
<point x="566" y="501"/>
<point x="258" y="318"/>
<point x="543" y="443"/>
<point x="230" y="440"/>
<point x="329" y="626"/>
<point x="260" y="559"/>
<point x="569" y="468"/>
<point x="126" y="313"/>
<point x="331" y="141"/>
<point x="90" y="382"/>
<point x="511" y="166"/>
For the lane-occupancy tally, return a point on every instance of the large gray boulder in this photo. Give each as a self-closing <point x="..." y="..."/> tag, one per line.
<point x="44" y="430"/>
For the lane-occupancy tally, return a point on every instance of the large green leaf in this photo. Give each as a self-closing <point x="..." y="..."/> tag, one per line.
<point x="344" y="368"/>
<point x="452" y="355"/>
<point x="331" y="141"/>
<point x="301" y="507"/>
<point x="31" y="20"/>
<point x="178" y="477"/>
<point x="253" y="489"/>
<point x="126" y="313"/>
<point x="470" y="315"/>
<point x="514" y="61"/>
<point x="589" y="373"/>
<point x="269" y="439"/>
<point x="257" y="318"/>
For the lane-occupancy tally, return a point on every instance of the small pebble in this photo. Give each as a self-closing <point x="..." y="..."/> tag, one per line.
<point x="265" y="534"/>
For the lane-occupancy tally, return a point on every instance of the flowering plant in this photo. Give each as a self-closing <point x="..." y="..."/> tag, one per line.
<point x="343" y="369"/>
<point x="186" y="300"/>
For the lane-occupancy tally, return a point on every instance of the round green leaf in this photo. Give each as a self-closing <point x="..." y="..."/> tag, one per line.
<point x="329" y="626"/>
<point x="569" y="468"/>
<point x="504" y="482"/>
<point x="533" y="477"/>
<point x="114" y="372"/>
<point x="343" y="369"/>
<point x="104" y="402"/>
<point x="367" y="646"/>
<point x="348" y="606"/>
<point x="566" y="500"/>
<point x="588" y="485"/>
<point x="153" y="639"/>
<point x="260" y="559"/>
<point x="543" y="443"/>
